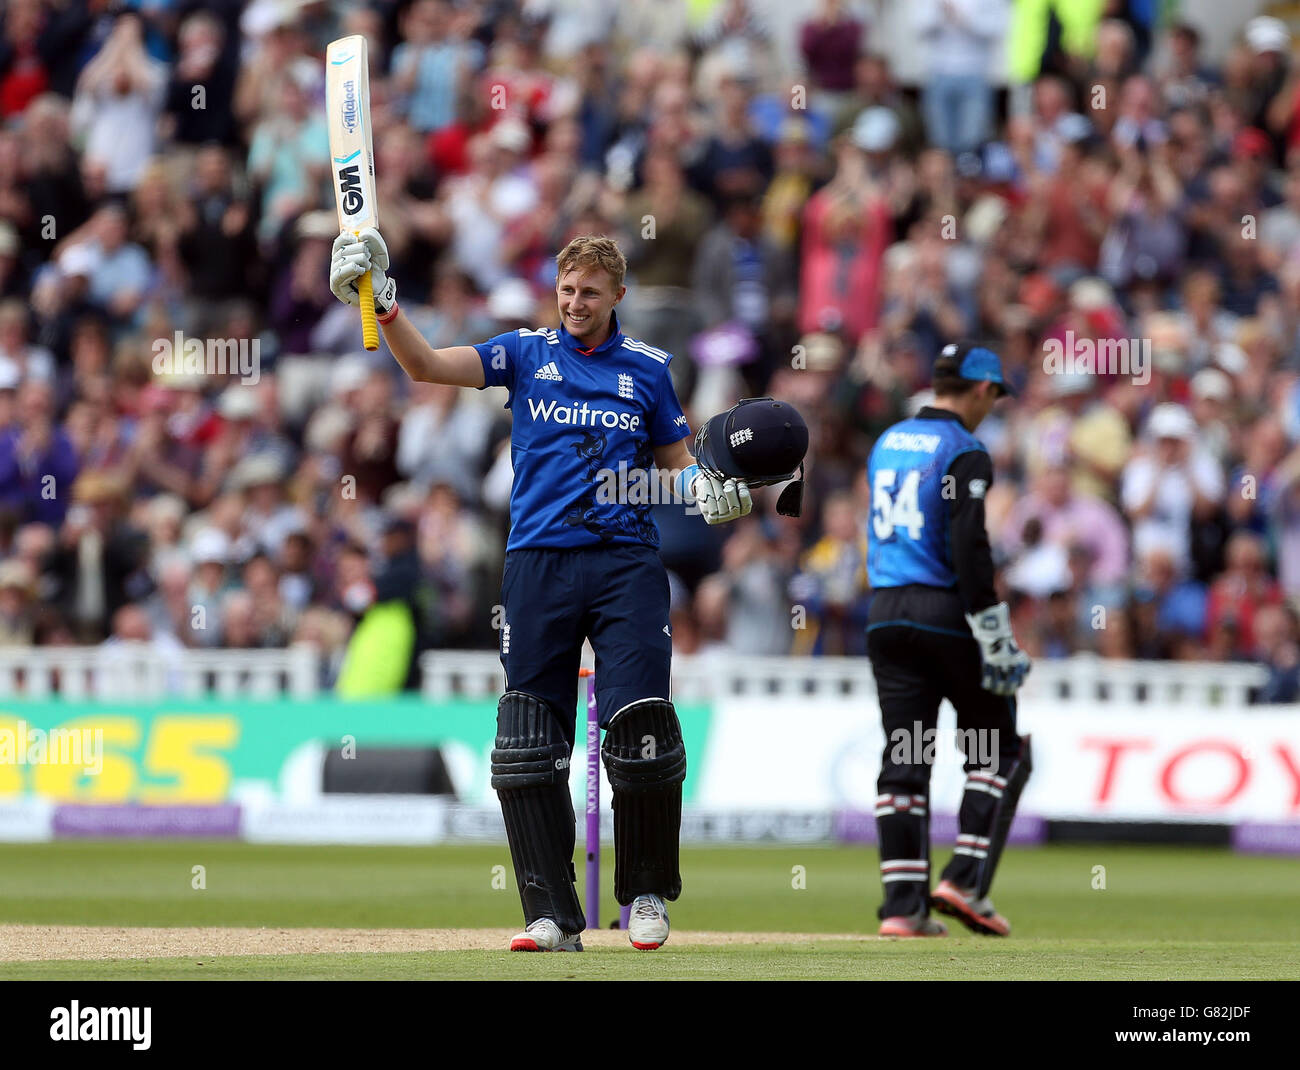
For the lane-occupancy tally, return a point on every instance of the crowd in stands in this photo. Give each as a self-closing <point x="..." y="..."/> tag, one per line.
<point x="1113" y="210"/>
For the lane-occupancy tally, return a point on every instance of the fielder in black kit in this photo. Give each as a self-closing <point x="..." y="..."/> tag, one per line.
<point x="936" y="630"/>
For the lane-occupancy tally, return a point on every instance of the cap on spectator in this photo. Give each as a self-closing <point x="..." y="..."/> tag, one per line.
<point x="511" y="299"/>
<point x="10" y="374"/>
<point x="79" y="261"/>
<point x="257" y="470"/>
<point x="512" y="135"/>
<point x="16" y="574"/>
<point x="875" y="130"/>
<point x="237" y="403"/>
<point x="402" y="499"/>
<point x="822" y="351"/>
<point x="210" y="546"/>
<point x="1074" y="128"/>
<point x="1267" y="34"/>
<point x="263" y="16"/>
<point x="307" y="74"/>
<point x="318" y="224"/>
<point x="985" y="219"/>
<point x="1070" y="384"/>
<point x="94" y="488"/>
<point x="1230" y="357"/>
<point x="1251" y="141"/>
<point x="794" y="131"/>
<point x="348" y="375"/>
<point x="1091" y="293"/>
<point x="1211" y="384"/>
<point x="182" y="379"/>
<point x="999" y="164"/>
<point x="1169" y="420"/>
<point x="166" y="507"/>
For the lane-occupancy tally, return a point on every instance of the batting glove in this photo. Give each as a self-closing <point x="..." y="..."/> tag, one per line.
<point x="353" y="255"/>
<point x="1005" y="664"/>
<point x="720" y="499"/>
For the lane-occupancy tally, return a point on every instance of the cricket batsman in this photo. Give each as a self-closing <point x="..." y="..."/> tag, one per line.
<point x="937" y="630"/>
<point x="581" y="563"/>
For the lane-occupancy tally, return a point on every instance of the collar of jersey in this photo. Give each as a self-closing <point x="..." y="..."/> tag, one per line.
<point x="929" y="412"/>
<point x="612" y="342"/>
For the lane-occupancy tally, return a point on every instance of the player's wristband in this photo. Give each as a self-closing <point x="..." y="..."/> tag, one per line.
<point x="682" y="484"/>
<point x="386" y="302"/>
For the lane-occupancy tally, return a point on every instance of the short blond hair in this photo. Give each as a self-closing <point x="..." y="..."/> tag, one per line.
<point x="593" y="251"/>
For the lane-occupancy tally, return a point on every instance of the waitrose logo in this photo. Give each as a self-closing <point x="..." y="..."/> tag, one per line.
<point x="581" y="415"/>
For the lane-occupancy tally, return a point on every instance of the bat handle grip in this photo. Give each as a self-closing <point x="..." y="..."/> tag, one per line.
<point x="369" y="325"/>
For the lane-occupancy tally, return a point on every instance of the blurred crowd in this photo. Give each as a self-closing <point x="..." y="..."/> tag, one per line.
<point x="796" y="224"/>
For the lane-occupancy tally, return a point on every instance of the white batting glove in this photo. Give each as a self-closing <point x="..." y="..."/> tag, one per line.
<point x="351" y="257"/>
<point x="720" y="500"/>
<point x="1005" y="664"/>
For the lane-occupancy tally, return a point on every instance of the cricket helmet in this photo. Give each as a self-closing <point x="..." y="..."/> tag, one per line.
<point x="759" y="440"/>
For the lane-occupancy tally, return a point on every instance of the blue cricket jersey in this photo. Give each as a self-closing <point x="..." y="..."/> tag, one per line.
<point x="909" y="533"/>
<point x="579" y="414"/>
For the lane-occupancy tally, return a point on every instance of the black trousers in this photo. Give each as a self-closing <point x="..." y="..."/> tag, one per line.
<point x="922" y="652"/>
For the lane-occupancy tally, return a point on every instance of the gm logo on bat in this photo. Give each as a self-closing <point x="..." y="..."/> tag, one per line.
<point x="350" y="189"/>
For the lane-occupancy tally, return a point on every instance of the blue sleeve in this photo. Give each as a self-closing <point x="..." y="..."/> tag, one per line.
<point x="668" y="422"/>
<point x="499" y="356"/>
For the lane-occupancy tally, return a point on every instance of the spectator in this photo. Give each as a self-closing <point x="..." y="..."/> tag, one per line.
<point x="1241" y="590"/>
<point x="1277" y="650"/>
<point x="960" y="36"/>
<point x="431" y="66"/>
<point x="832" y="586"/>
<point x="830" y="42"/>
<point x="119" y="97"/>
<point x="37" y="462"/>
<point x="1170" y="484"/>
<point x="846" y="228"/>
<point x="1071" y="520"/>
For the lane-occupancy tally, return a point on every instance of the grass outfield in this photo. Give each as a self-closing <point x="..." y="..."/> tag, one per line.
<point x="1164" y="913"/>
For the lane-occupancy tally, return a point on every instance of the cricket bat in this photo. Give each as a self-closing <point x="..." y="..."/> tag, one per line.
<point x="347" y="102"/>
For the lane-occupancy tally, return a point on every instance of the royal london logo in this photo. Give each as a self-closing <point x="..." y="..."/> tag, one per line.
<point x="550" y="372"/>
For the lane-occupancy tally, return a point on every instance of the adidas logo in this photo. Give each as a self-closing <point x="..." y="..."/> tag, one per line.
<point x="549" y="371"/>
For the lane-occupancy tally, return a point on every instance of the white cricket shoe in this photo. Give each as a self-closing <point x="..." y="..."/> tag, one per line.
<point x="647" y="927"/>
<point x="545" y="935"/>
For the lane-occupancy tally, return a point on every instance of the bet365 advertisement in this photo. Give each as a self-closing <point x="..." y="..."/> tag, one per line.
<point x="758" y="768"/>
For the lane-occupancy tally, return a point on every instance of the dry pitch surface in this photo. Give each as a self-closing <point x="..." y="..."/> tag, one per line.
<point x="46" y="943"/>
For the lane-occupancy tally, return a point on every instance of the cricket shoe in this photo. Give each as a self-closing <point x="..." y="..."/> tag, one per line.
<point x="918" y="924"/>
<point x="647" y="927"/>
<point x="977" y="915"/>
<point x="545" y="935"/>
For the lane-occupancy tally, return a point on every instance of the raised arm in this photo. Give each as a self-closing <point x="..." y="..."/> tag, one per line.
<point x="352" y="256"/>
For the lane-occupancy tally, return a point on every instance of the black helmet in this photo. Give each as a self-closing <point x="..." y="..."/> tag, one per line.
<point x="759" y="440"/>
